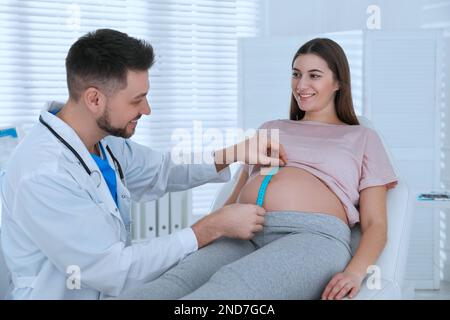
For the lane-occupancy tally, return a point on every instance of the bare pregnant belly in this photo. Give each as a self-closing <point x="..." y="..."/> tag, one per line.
<point x="294" y="189"/>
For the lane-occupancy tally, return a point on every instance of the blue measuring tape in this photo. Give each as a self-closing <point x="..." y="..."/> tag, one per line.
<point x="263" y="187"/>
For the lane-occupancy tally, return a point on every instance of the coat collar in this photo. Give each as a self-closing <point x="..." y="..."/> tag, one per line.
<point x="71" y="137"/>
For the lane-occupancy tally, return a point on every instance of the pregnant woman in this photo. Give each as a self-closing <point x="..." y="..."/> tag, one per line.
<point x="337" y="174"/>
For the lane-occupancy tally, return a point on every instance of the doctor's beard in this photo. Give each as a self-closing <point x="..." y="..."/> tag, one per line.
<point x="104" y="123"/>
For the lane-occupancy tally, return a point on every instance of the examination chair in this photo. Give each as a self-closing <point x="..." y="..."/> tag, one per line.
<point x="392" y="261"/>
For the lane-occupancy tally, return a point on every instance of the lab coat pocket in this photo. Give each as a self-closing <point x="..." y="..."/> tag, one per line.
<point x="114" y="220"/>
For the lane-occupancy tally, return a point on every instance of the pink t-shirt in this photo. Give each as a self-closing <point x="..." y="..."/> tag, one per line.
<point x="347" y="158"/>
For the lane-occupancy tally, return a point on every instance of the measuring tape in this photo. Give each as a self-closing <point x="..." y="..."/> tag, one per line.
<point x="263" y="187"/>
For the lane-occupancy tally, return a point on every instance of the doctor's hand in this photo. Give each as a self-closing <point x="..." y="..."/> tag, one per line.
<point x="342" y="284"/>
<point x="236" y="220"/>
<point x="240" y="221"/>
<point x="259" y="149"/>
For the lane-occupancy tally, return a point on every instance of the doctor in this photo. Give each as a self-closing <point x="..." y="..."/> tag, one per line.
<point x="67" y="189"/>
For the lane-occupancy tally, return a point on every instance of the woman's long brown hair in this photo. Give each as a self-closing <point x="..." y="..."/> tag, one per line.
<point x="335" y="57"/>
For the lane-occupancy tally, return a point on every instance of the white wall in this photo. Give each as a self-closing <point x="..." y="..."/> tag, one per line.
<point x="296" y="17"/>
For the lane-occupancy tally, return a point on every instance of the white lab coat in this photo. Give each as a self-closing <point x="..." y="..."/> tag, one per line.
<point x="57" y="220"/>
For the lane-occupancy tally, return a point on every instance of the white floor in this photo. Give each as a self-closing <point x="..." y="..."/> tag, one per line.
<point x="442" y="294"/>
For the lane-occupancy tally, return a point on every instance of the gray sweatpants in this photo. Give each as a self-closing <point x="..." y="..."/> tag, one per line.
<point x="294" y="257"/>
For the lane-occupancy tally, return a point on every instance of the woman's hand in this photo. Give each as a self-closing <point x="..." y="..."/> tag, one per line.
<point x="342" y="284"/>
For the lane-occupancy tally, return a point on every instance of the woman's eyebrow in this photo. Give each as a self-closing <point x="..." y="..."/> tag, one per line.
<point x="315" y="70"/>
<point x="312" y="70"/>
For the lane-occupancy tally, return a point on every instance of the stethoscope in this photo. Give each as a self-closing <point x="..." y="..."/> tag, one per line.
<point x="89" y="172"/>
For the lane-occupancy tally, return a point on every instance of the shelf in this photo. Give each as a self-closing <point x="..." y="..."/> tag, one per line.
<point x="434" y="204"/>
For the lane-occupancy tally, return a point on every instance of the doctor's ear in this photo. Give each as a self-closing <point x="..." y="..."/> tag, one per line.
<point x="94" y="100"/>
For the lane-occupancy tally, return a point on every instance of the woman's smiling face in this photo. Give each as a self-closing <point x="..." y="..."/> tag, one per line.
<point x="313" y="84"/>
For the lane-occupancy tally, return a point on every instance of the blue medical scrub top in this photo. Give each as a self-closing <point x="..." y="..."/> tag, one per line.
<point x="108" y="173"/>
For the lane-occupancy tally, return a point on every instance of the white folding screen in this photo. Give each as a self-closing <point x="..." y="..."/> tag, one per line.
<point x="436" y="15"/>
<point x="264" y="79"/>
<point x="401" y="97"/>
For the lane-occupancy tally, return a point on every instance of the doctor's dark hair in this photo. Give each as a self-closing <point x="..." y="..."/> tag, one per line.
<point x="102" y="58"/>
<point x="335" y="57"/>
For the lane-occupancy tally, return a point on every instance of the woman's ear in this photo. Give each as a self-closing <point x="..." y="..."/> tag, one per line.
<point x="94" y="100"/>
<point x="337" y="86"/>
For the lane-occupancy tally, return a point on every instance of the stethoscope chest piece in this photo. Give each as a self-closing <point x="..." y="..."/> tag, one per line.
<point x="96" y="178"/>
